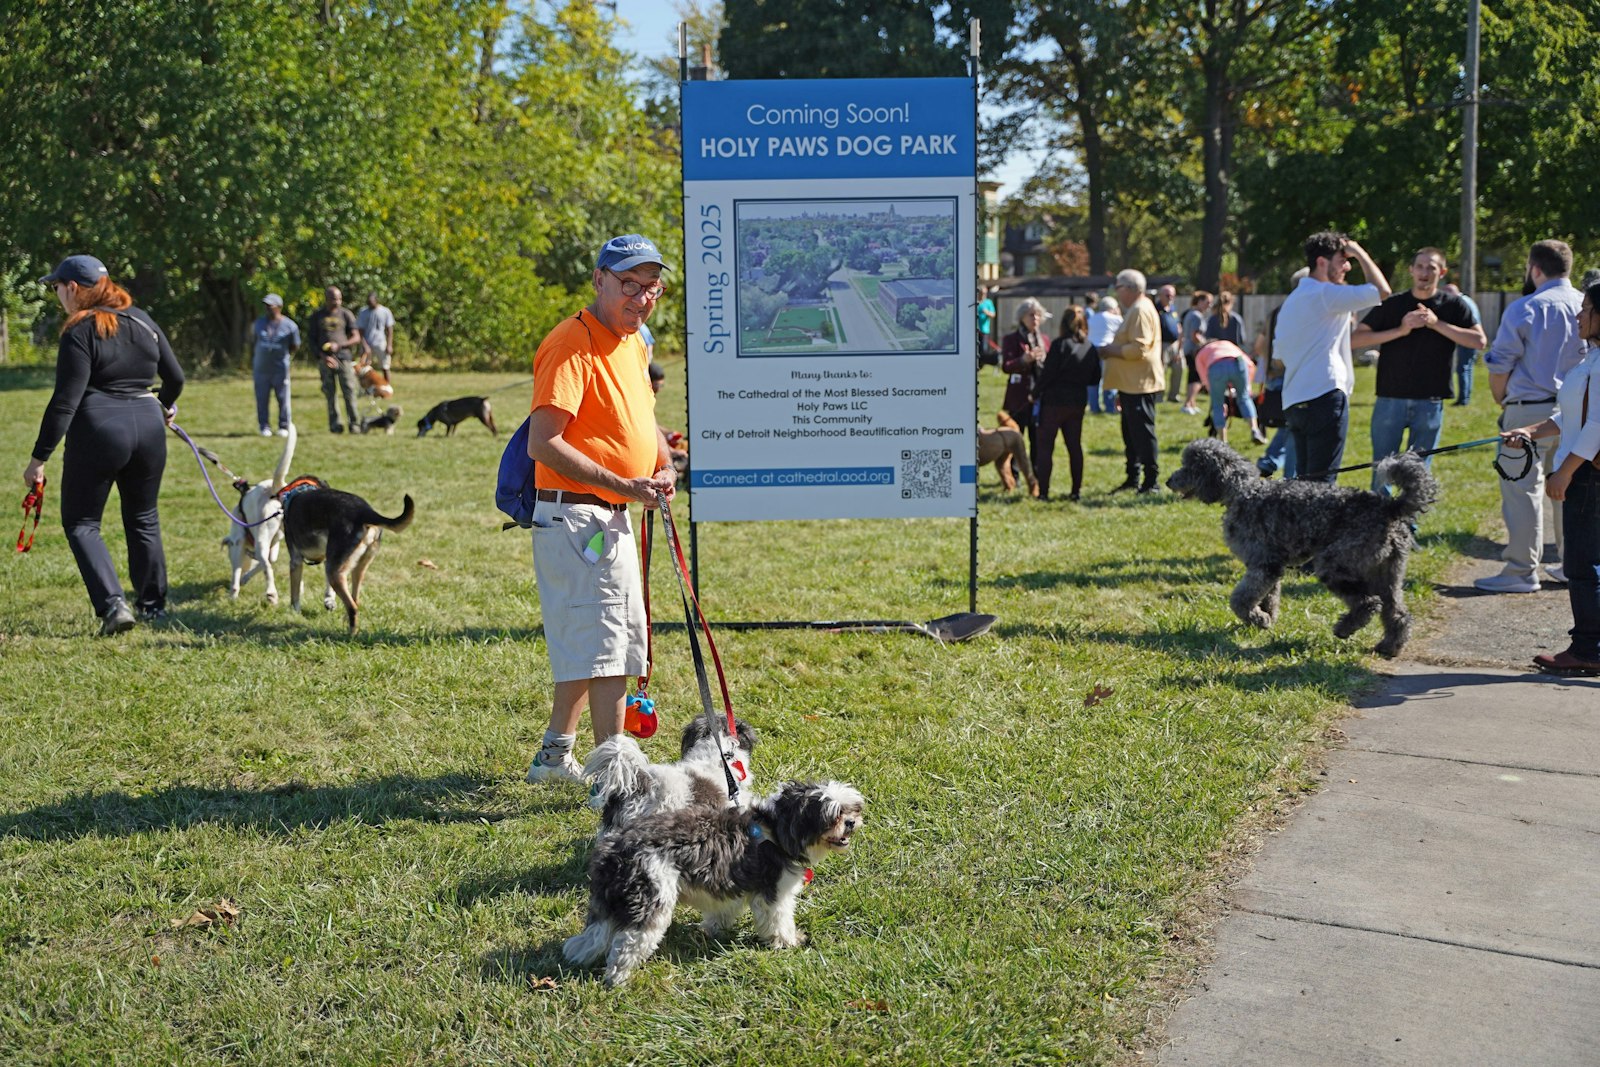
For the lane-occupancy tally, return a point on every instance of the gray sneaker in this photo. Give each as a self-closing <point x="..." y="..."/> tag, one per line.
<point x="1555" y="573"/>
<point x="117" y="619"/>
<point x="566" y="769"/>
<point x="1508" y="583"/>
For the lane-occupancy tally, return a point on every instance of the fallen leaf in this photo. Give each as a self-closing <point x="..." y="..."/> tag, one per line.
<point x="811" y="718"/>
<point x="1096" y="695"/>
<point x="545" y="982"/>
<point x="223" y="911"/>
<point x="428" y="563"/>
<point x="156" y="960"/>
<point x="868" y="1005"/>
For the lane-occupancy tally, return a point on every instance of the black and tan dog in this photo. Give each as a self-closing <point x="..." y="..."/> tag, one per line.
<point x="338" y="530"/>
<point x="449" y="412"/>
<point x="385" y="422"/>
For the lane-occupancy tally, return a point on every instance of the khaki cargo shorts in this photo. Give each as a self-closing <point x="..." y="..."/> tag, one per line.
<point x="586" y="563"/>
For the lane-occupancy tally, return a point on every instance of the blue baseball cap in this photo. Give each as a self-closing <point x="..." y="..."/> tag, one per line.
<point x="85" y="270"/>
<point x="628" y="251"/>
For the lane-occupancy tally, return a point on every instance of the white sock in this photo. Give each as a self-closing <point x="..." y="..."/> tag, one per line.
<point x="556" y="746"/>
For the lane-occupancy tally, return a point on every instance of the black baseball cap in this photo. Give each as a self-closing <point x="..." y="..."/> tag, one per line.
<point x="85" y="270"/>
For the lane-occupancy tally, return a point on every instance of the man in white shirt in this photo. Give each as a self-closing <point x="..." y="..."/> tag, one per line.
<point x="376" y="324"/>
<point x="1313" y="342"/>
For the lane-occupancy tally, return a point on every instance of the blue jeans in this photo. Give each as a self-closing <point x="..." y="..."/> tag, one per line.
<point x="1319" y="428"/>
<point x="272" y="380"/>
<point x="1223" y="373"/>
<point x="1279" y="455"/>
<point x="1094" y="399"/>
<point x="1466" y="359"/>
<point x="1418" y="420"/>
<point x="1580" y="558"/>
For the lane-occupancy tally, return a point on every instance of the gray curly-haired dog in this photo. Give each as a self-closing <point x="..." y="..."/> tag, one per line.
<point x="1355" y="542"/>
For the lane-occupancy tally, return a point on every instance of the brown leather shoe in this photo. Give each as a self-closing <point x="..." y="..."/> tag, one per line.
<point x="1567" y="665"/>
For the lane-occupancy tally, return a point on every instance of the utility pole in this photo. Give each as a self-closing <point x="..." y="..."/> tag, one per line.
<point x="1469" y="158"/>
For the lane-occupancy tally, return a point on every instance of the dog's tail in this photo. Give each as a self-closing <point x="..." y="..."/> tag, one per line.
<point x="1004" y="420"/>
<point x="399" y="522"/>
<point x="1418" y="488"/>
<point x="617" y="771"/>
<point x="280" y="474"/>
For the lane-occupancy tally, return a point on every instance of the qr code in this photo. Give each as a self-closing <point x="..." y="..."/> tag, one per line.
<point x="925" y="474"/>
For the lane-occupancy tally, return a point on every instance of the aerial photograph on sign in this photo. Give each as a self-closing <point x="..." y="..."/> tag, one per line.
<point x="858" y="277"/>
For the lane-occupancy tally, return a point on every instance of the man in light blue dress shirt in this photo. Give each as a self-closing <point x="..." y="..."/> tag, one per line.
<point x="1536" y="345"/>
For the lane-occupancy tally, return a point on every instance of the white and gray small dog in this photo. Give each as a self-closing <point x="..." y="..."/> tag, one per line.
<point x="627" y="786"/>
<point x="259" y="505"/>
<point x="717" y="859"/>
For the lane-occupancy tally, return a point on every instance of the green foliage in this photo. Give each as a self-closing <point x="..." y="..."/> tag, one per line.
<point x="837" y="39"/>
<point x="465" y="160"/>
<point x="909" y="315"/>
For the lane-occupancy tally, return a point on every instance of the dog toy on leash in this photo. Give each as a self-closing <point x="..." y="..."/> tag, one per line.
<point x="33" y="502"/>
<point x="639" y="716"/>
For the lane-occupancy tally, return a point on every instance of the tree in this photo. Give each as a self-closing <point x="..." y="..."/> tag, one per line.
<point x="837" y="39"/>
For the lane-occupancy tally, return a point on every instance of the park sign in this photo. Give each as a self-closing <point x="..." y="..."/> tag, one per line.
<point x="828" y="276"/>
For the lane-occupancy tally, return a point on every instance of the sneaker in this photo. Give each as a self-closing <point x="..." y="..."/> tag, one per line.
<point x="1555" y="574"/>
<point x="336" y="429"/>
<point x="152" y="614"/>
<point x="1148" y="489"/>
<point x="1258" y="437"/>
<point x="117" y="619"/>
<point x="283" y="431"/>
<point x="266" y="431"/>
<point x="566" y="769"/>
<point x="1187" y="410"/>
<point x="1507" y="583"/>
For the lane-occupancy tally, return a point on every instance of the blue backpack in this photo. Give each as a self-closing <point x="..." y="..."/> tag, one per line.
<point x="514" y="492"/>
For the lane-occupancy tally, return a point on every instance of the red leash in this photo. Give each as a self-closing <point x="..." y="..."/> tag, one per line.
<point x="687" y="586"/>
<point x="33" y="502"/>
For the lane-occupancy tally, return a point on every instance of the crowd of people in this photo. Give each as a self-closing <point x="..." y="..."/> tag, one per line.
<point x="1123" y="353"/>
<point x="344" y="343"/>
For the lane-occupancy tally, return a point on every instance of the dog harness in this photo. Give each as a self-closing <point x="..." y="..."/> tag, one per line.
<point x="295" y="488"/>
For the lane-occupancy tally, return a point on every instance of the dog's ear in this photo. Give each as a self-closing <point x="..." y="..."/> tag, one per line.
<point x="746" y="735"/>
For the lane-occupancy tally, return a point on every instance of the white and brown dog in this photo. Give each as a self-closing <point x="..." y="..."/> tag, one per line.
<point x="720" y="860"/>
<point x="260" y="509"/>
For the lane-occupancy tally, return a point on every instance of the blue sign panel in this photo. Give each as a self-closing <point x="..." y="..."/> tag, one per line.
<point x="878" y="128"/>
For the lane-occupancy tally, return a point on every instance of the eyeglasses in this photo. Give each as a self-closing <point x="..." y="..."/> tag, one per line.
<point x="633" y="288"/>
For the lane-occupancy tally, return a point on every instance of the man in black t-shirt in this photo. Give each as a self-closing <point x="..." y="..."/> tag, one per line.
<point x="334" y="341"/>
<point x="1416" y="332"/>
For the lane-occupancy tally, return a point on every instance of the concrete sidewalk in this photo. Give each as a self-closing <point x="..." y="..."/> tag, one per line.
<point x="1438" y="902"/>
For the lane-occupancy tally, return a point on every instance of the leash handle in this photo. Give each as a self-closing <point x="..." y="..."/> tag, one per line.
<point x="34" y="502"/>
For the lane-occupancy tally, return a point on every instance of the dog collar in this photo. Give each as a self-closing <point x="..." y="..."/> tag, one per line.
<point x="757" y="835"/>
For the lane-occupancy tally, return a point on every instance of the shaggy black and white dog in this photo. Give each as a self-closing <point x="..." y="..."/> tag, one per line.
<point x="627" y="786"/>
<point x="1355" y="542"/>
<point x="717" y="859"/>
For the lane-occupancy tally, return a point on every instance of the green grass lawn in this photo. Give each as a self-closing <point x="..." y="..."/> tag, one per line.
<point x="1033" y="867"/>
<point x="793" y="318"/>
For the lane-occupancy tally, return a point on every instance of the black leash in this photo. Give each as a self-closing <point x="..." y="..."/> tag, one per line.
<point x="1530" y="455"/>
<point x="690" y="613"/>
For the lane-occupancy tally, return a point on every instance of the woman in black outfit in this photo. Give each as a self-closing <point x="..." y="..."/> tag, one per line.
<point x="1069" y="368"/>
<point x="116" y="432"/>
<point x="1021" y="355"/>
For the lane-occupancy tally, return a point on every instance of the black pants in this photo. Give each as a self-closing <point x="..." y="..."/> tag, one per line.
<point x="1068" y="420"/>
<point x="1139" y="436"/>
<point x="1319" y="427"/>
<point x="115" y="440"/>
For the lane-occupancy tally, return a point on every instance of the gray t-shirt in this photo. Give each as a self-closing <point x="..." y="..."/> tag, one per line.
<point x="1193" y="322"/>
<point x="275" y="340"/>
<point x="373" y="322"/>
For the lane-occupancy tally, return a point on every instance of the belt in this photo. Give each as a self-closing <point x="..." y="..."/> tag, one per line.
<point x="562" y="496"/>
<point x="1541" y="400"/>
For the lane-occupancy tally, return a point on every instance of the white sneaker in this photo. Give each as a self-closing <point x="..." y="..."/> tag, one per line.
<point x="1508" y="583"/>
<point x="1187" y="410"/>
<point x="283" y="432"/>
<point x="1556" y="574"/>
<point x="266" y="432"/>
<point x="567" y="770"/>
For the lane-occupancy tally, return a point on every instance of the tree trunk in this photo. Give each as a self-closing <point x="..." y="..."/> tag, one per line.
<point x="224" y="303"/>
<point x="1094" y="171"/>
<point x="1216" y="154"/>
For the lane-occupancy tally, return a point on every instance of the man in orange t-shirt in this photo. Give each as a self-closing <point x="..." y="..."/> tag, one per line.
<point x="593" y="435"/>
